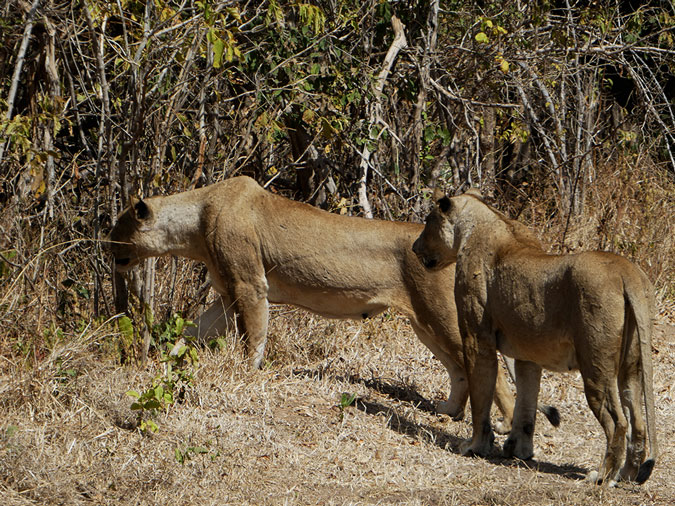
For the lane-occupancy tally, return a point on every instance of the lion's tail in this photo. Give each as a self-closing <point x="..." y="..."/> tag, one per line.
<point x="635" y="296"/>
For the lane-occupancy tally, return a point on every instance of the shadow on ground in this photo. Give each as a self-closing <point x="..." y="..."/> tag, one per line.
<point x="440" y="438"/>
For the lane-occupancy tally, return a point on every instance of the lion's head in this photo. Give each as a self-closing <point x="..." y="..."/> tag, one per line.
<point x="131" y="240"/>
<point x="437" y="246"/>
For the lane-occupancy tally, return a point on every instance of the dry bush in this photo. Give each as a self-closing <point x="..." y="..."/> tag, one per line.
<point x="629" y="210"/>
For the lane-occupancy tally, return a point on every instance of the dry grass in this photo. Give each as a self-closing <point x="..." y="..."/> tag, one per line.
<point x="279" y="436"/>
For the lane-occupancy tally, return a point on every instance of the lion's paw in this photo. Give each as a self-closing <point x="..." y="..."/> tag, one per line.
<point x="519" y="447"/>
<point x="503" y="427"/>
<point x="594" y="477"/>
<point x="450" y="408"/>
<point x="470" y="449"/>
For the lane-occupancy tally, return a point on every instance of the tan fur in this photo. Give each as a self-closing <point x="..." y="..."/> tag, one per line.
<point x="589" y="311"/>
<point x="260" y="248"/>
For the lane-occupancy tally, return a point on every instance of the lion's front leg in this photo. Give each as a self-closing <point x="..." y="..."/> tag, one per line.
<point x="519" y="443"/>
<point x="253" y="309"/>
<point x="480" y="358"/>
<point x="256" y="338"/>
<point x="459" y="393"/>
<point x="451" y="357"/>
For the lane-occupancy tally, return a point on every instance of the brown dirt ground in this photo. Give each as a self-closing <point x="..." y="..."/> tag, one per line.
<point x="278" y="436"/>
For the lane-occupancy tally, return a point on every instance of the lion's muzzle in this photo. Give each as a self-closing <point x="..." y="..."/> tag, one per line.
<point x="427" y="261"/>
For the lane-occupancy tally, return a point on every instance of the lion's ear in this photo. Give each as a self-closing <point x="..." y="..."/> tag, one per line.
<point x="441" y="200"/>
<point x="444" y="204"/>
<point x="141" y="210"/>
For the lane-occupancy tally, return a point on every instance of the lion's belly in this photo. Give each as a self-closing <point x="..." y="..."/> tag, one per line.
<point x="329" y="303"/>
<point x="553" y="352"/>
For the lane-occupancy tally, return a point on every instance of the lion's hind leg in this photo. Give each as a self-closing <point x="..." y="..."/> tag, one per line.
<point x="636" y="451"/>
<point x="520" y="441"/>
<point x="603" y="398"/>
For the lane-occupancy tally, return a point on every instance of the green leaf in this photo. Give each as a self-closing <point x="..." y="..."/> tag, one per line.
<point x="134" y="394"/>
<point x="482" y="37"/>
<point x="152" y="404"/>
<point x="180" y="323"/>
<point x="347" y="400"/>
<point x="234" y="12"/>
<point x="218" y="48"/>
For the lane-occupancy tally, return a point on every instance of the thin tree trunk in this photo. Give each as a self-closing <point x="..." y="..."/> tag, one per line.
<point x="375" y="116"/>
<point x="16" y="77"/>
<point x="54" y="92"/>
<point x="487" y="147"/>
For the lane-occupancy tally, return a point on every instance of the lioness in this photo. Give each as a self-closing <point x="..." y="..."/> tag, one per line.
<point x="588" y="311"/>
<point x="260" y="248"/>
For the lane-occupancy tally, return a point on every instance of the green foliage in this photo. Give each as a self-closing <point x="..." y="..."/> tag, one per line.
<point x="178" y="357"/>
<point x="312" y="16"/>
<point x="128" y="335"/>
<point x="52" y="335"/>
<point x="10" y="430"/>
<point x="169" y="331"/>
<point x="187" y="453"/>
<point x="346" y="400"/>
<point x="19" y="133"/>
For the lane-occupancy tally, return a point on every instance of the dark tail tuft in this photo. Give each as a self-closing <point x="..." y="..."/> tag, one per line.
<point x="645" y="471"/>
<point x="552" y="414"/>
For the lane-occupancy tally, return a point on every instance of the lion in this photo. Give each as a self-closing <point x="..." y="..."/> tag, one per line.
<point x="262" y="248"/>
<point x="589" y="311"/>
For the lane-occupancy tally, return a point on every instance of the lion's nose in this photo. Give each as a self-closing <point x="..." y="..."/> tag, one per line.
<point x="430" y="263"/>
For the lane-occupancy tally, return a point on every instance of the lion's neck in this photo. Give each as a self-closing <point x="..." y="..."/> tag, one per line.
<point x="482" y="234"/>
<point x="178" y="221"/>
